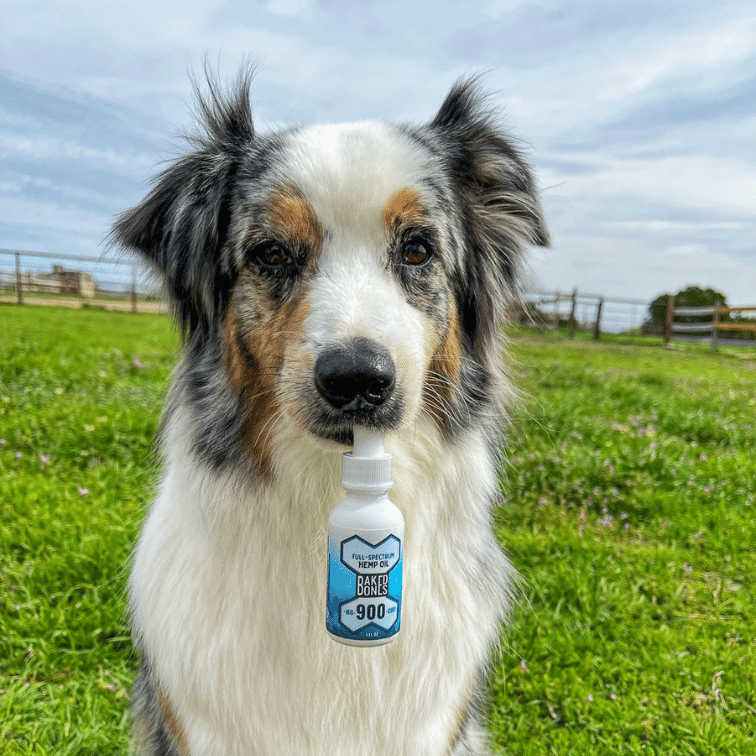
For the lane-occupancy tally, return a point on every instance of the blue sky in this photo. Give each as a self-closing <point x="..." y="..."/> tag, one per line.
<point x="639" y="117"/>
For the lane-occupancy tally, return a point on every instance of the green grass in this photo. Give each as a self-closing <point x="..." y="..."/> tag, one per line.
<point x="631" y="515"/>
<point x="80" y="398"/>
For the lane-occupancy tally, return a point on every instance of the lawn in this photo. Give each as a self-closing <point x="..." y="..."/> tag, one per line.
<point x="80" y="397"/>
<point x="630" y="511"/>
<point x="631" y="514"/>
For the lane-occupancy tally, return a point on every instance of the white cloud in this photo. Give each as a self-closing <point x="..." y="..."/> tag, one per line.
<point x="301" y="8"/>
<point x="661" y="58"/>
<point x="69" y="227"/>
<point x="691" y="181"/>
<point x="671" y="227"/>
<point x="44" y="148"/>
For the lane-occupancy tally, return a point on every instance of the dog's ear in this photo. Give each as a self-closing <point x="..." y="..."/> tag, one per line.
<point x="500" y="210"/>
<point x="181" y="225"/>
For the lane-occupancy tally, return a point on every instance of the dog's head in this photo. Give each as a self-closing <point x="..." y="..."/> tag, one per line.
<point x="339" y="275"/>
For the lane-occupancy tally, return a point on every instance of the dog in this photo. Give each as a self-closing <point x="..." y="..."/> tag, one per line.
<point x="395" y="249"/>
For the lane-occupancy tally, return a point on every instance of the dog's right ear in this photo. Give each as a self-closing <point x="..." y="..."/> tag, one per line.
<point x="181" y="225"/>
<point x="499" y="208"/>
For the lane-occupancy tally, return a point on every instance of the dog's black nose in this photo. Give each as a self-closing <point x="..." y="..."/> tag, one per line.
<point x="357" y="374"/>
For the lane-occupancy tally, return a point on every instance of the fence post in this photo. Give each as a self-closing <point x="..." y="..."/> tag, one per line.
<point x="597" y="326"/>
<point x="133" y="289"/>
<point x="714" y="324"/>
<point x="573" y="313"/>
<point x="19" y="286"/>
<point x="669" y="319"/>
<point x="557" y="299"/>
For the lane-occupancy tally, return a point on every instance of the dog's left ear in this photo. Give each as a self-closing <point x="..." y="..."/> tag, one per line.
<point x="181" y="225"/>
<point x="500" y="208"/>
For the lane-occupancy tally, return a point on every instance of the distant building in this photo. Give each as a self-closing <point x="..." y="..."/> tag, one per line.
<point x="73" y="281"/>
<point x="60" y="281"/>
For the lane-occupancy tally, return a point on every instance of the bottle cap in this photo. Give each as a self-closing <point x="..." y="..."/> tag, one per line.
<point x="367" y="467"/>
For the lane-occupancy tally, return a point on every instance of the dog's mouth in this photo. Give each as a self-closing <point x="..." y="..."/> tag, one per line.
<point x="341" y="430"/>
<point x="356" y="386"/>
<point x="343" y="436"/>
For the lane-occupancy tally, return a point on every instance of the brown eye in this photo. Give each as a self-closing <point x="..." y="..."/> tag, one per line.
<point x="273" y="255"/>
<point x="415" y="252"/>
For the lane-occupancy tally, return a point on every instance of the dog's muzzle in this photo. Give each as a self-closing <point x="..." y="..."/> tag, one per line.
<point x="355" y="376"/>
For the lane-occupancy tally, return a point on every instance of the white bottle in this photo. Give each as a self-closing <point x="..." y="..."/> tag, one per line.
<point x="365" y="549"/>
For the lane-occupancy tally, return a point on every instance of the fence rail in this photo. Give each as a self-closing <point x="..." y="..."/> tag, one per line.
<point x="76" y="280"/>
<point x="710" y="328"/>
<point x="590" y="312"/>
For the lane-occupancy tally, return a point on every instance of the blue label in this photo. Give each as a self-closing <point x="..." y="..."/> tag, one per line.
<point x="364" y="588"/>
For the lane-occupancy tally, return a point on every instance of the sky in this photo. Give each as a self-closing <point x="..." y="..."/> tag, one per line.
<point x="639" y="117"/>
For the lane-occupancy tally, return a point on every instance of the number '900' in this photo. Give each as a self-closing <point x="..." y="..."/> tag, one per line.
<point x="370" y="611"/>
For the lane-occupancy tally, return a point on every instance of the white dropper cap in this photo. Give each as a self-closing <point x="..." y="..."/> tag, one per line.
<point x="367" y="443"/>
<point x="367" y="467"/>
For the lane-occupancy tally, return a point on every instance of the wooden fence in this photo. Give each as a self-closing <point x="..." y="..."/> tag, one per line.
<point x="588" y="312"/>
<point x="710" y="325"/>
<point x="44" y="278"/>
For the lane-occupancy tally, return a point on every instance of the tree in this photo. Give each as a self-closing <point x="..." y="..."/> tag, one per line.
<point x="692" y="296"/>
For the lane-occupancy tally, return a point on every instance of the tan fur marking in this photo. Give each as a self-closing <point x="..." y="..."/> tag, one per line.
<point x="234" y="362"/>
<point x="461" y="719"/>
<point x="256" y="383"/>
<point x="175" y="730"/>
<point x="402" y="209"/>
<point x="295" y="220"/>
<point x="443" y="373"/>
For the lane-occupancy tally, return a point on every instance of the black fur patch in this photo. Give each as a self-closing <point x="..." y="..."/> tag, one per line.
<point x="218" y="415"/>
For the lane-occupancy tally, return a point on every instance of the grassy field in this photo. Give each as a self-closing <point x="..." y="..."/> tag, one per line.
<point x="631" y="514"/>
<point x="80" y="398"/>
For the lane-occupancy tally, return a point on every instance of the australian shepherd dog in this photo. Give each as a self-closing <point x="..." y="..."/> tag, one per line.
<point x="392" y="249"/>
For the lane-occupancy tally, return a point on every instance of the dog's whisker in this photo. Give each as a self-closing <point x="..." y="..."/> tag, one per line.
<point x="267" y="427"/>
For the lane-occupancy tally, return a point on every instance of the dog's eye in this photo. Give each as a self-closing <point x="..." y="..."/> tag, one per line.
<point x="272" y="254"/>
<point x="415" y="252"/>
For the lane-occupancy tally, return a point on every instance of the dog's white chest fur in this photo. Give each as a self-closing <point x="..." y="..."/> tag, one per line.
<point x="228" y="600"/>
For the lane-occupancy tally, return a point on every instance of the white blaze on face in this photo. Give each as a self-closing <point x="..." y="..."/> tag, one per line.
<point x="358" y="179"/>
